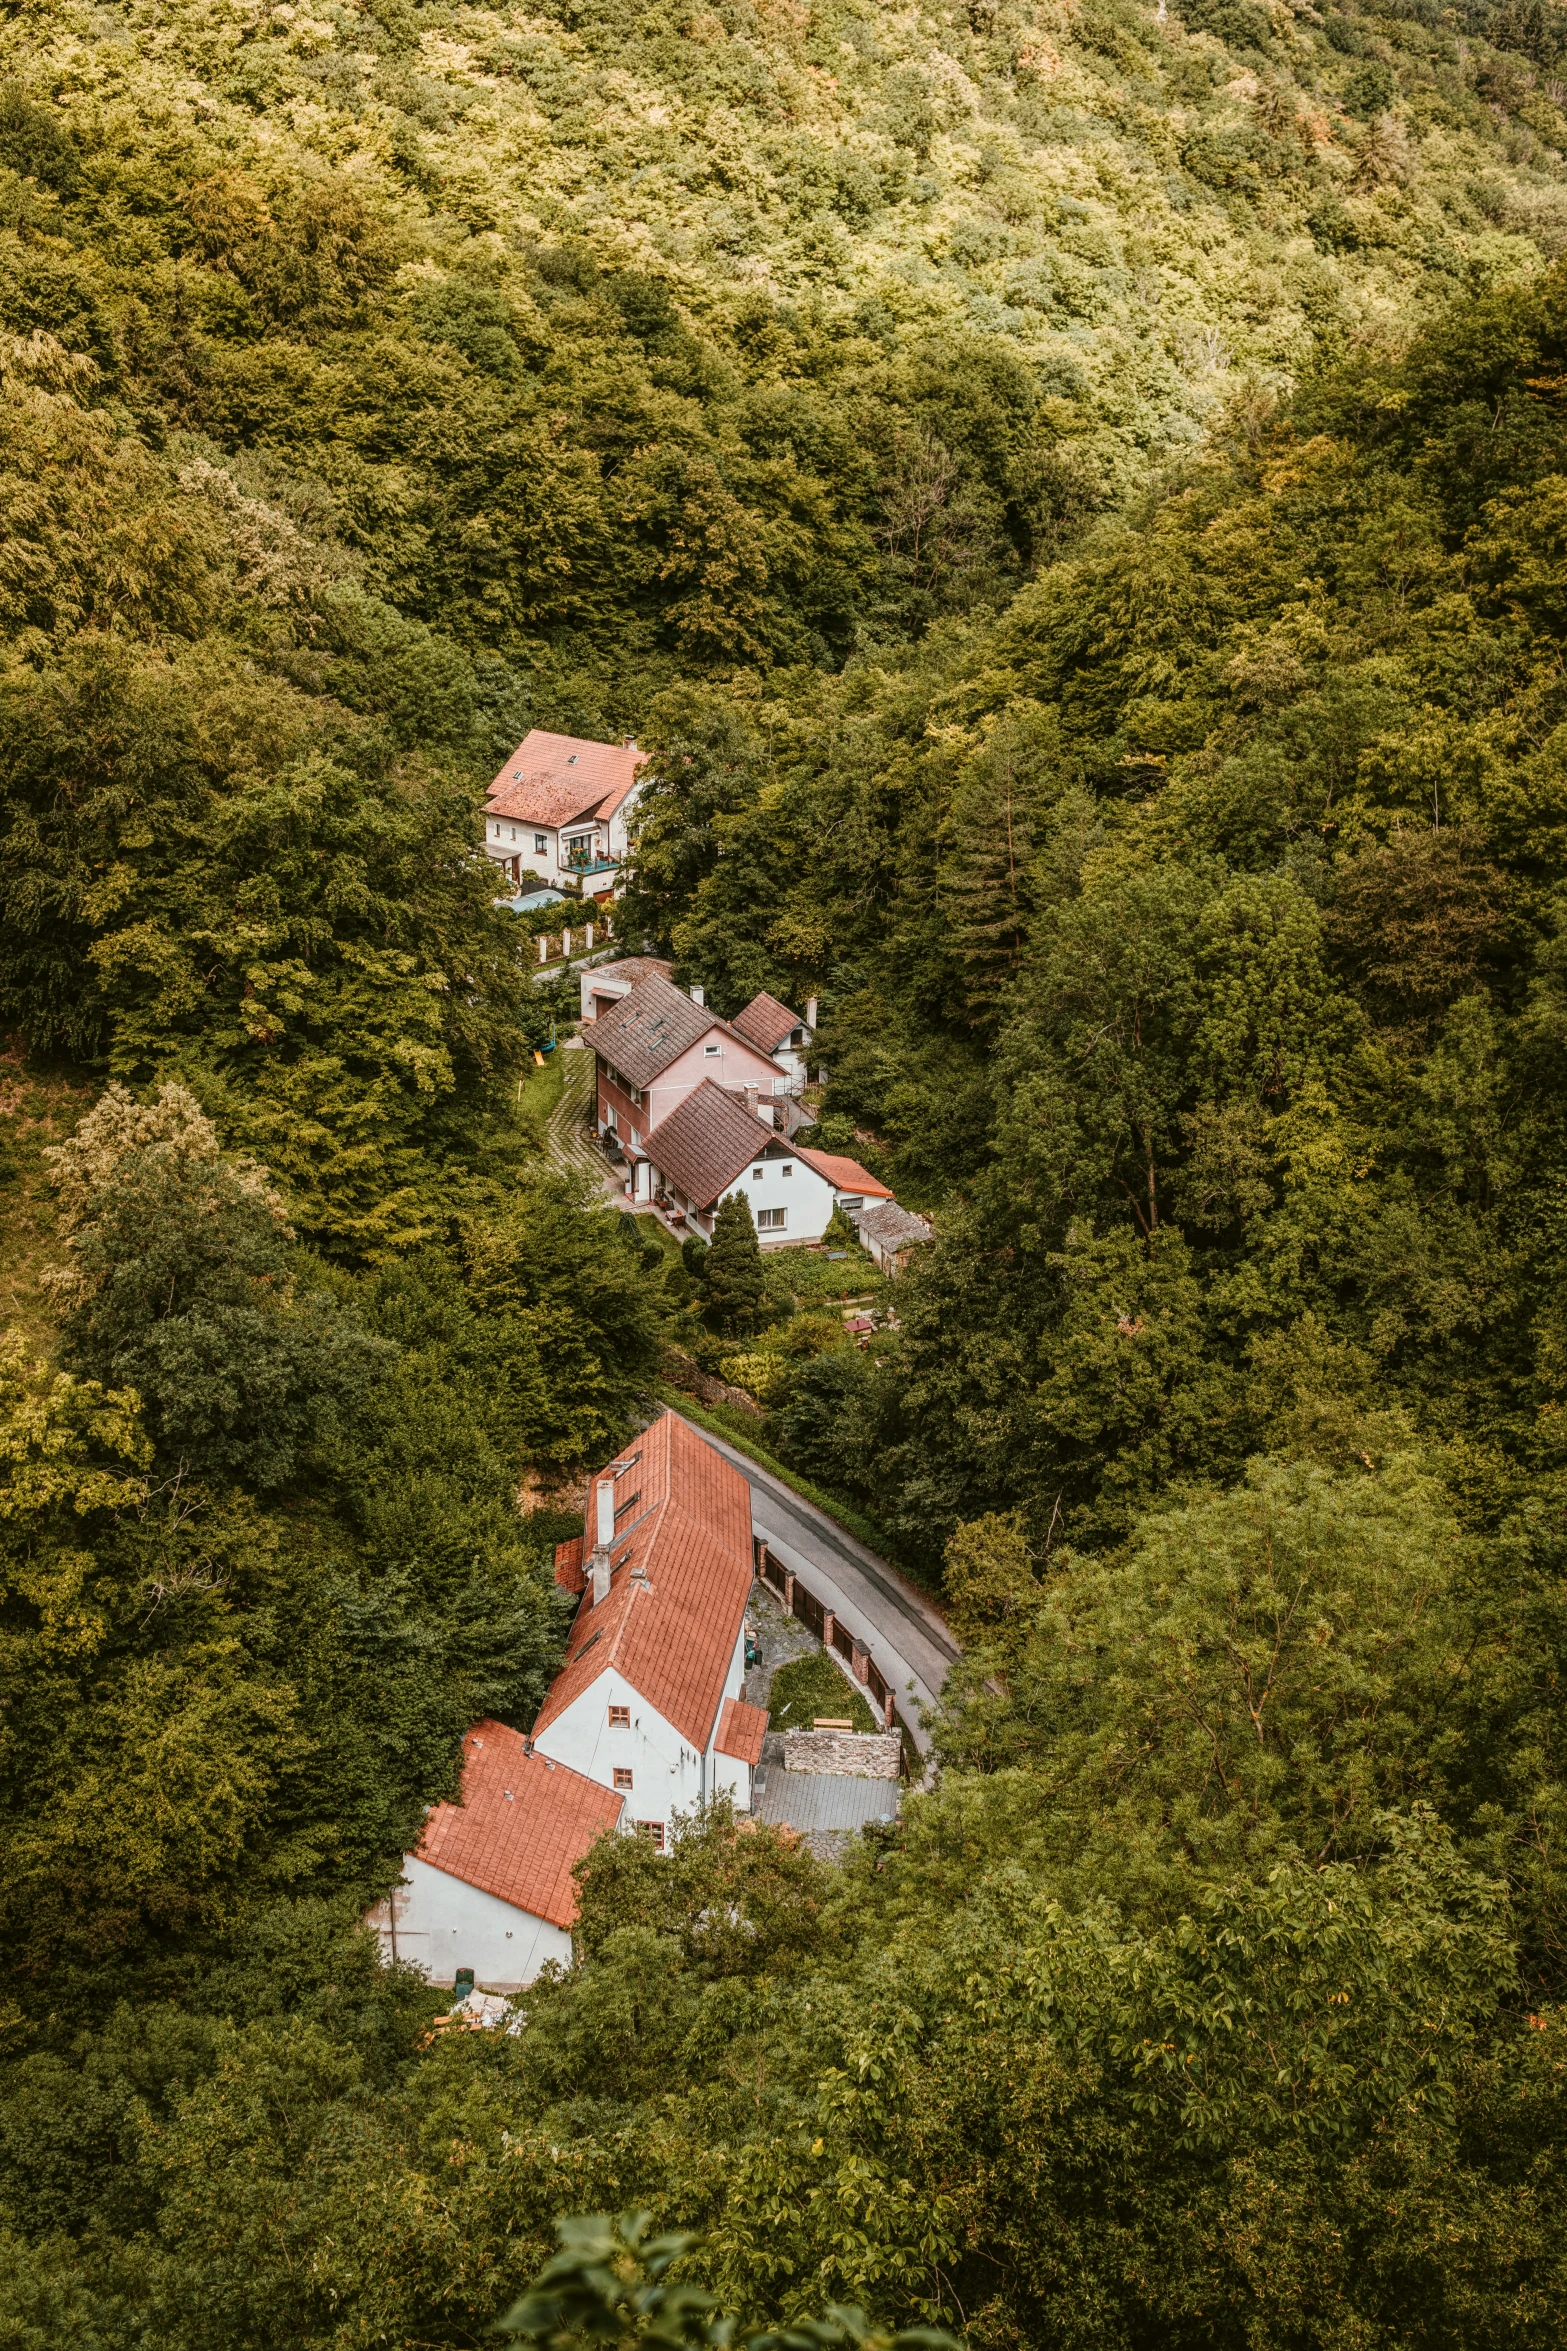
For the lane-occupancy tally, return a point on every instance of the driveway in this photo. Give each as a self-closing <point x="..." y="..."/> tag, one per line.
<point x="890" y="1616"/>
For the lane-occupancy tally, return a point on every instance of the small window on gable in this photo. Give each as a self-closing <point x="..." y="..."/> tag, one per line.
<point x="756" y="1175"/>
<point x="620" y="1718"/>
<point x="622" y="1775"/>
<point x="711" y="1051"/>
<point x="787" y="1167"/>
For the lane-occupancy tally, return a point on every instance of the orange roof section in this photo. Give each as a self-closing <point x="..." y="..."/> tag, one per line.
<point x="569" y="1571"/>
<point x="680" y="1578"/>
<point x="549" y="779"/>
<point x="521" y="1827"/>
<point x="844" y="1175"/>
<point x="741" y="1730"/>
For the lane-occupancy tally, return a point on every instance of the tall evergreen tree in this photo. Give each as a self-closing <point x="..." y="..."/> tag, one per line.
<point x="734" y="1266"/>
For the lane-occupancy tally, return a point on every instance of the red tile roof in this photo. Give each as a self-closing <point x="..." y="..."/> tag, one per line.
<point x="550" y="779"/>
<point x="568" y="1565"/>
<point x="679" y="1582"/>
<point x="844" y="1175"/>
<point x="705" y="1142"/>
<point x="766" y="1022"/>
<point x="741" y="1730"/>
<point x="521" y="1827"/>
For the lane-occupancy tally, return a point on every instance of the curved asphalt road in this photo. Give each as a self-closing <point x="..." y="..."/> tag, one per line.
<point x="894" y="1621"/>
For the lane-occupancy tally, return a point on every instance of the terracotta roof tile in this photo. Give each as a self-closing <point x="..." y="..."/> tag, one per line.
<point x="550" y="779"/>
<point x="679" y="1583"/>
<point x="741" y="1730"/>
<point x="705" y="1141"/>
<point x="568" y="1565"/>
<point x="650" y="1028"/>
<point x="521" y="1827"/>
<point x="766" y="1022"/>
<point x="844" y="1175"/>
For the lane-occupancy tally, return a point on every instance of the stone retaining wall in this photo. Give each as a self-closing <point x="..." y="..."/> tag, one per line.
<point x="861" y="1755"/>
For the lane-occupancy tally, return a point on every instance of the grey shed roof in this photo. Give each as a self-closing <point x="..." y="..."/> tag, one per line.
<point x="826" y="1800"/>
<point x="893" y="1227"/>
<point x="702" y="1146"/>
<point x="650" y="1028"/>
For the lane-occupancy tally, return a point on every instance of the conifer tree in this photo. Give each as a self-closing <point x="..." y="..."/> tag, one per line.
<point x="734" y="1265"/>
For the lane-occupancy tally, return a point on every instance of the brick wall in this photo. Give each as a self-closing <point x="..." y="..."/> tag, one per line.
<point x="864" y="1755"/>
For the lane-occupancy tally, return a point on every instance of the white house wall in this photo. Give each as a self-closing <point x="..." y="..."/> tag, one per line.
<point x="506" y="837"/>
<point x="806" y="1197"/>
<point x="667" y="1772"/>
<point x="442" y="1923"/>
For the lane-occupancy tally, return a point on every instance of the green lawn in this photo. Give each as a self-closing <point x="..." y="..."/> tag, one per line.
<point x="812" y="1686"/>
<point x="540" y="1090"/>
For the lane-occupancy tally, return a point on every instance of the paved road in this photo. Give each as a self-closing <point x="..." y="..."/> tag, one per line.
<point x="898" y="1625"/>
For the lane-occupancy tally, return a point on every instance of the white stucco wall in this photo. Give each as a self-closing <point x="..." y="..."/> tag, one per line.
<point x="667" y="1772"/>
<point x="506" y="837"/>
<point x="440" y="1923"/>
<point x="805" y="1195"/>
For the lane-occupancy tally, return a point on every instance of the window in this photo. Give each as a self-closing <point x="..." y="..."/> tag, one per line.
<point x="495" y="832"/>
<point x="653" y="1830"/>
<point x="771" y="1220"/>
<point x="787" y="1167"/>
<point x="541" y="841"/>
<point x="622" y="1775"/>
<point x="711" y="1051"/>
<point x="620" y="1718"/>
<point x="756" y="1175"/>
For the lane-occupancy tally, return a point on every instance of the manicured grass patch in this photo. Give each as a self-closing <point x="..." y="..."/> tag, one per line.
<point x="541" y="1090"/>
<point x="809" y="1686"/>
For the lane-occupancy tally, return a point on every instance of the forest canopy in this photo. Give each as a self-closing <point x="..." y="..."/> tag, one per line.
<point x="1070" y="496"/>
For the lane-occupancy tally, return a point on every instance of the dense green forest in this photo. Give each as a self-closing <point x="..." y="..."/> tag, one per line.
<point x="1073" y="496"/>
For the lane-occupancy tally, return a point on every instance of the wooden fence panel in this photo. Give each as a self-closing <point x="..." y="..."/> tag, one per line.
<point x="810" y="1612"/>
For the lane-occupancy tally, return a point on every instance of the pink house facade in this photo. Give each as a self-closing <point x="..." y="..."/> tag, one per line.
<point x="655" y="1047"/>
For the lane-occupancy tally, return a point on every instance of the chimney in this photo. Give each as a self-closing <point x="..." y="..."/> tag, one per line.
<point x="604" y="1530"/>
<point x="598" y="1575"/>
<point x="810" y="1012"/>
<point x="753" y="1095"/>
<point x="697" y="996"/>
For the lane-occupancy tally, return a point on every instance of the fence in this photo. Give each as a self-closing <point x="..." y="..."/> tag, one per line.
<point x="573" y="938"/>
<point x="820" y="1620"/>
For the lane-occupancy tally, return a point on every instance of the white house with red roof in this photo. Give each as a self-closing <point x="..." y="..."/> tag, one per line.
<point x="490" y="1888"/>
<point x="713" y="1146"/>
<point x="560" y="808"/>
<point x="646" y="1717"/>
<point x="650" y="1701"/>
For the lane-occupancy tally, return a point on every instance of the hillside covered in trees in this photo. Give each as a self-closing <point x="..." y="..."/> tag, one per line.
<point x="1073" y="498"/>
